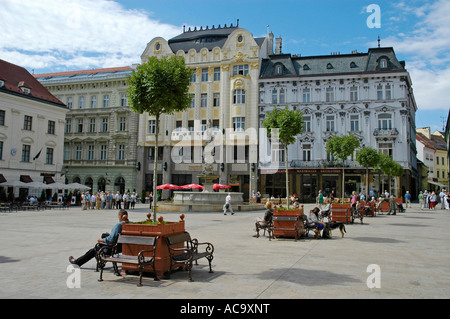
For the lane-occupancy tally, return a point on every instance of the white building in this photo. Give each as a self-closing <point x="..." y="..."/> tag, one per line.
<point x="31" y="130"/>
<point x="368" y="95"/>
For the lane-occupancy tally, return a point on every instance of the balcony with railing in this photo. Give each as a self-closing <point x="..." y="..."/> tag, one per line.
<point x="382" y="132"/>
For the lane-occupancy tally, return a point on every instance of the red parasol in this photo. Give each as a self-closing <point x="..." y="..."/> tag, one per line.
<point x="220" y="186"/>
<point x="168" y="186"/>
<point x="191" y="186"/>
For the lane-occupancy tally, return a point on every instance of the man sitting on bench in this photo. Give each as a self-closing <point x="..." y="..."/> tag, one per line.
<point x="107" y="239"/>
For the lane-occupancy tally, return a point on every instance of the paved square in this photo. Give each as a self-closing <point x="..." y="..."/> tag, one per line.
<point x="411" y="250"/>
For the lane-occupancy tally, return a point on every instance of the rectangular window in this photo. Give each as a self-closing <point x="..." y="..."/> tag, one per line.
<point x="354" y="123"/>
<point x="66" y="153"/>
<point x="239" y="124"/>
<point x="307" y="95"/>
<point x="387" y="92"/>
<point x="78" y="152"/>
<point x="91" y="125"/>
<point x="49" y="156"/>
<point x="68" y="127"/>
<point x="307" y="123"/>
<point x="151" y="127"/>
<point x="80" y="126"/>
<point x="385" y="148"/>
<point x="81" y="102"/>
<point x="239" y="97"/>
<point x="204" y="100"/>
<point x="193" y="77"/>
<point x="216" y="74"/>
<point x="306" y="153"/>
<point x="240" y="69"/>
<point x="69" y="103"/>
<point x="2" y="118"/>
<point x="379" y="92"/>
<point x="275" y="96"/>
<point x="26" y="153"/>
<point x="121" y="153"/>
<point x="90" y="153"/>
<point x="1" y="150"/>
<point x="123" y="100"/>
<point x="216" y="99"/>
<point x="192" y="100"/>
<point x="178" y="125"/>
<point x="385" y="122"/>
<point x="51" y="127"/>
<point x="330" y="123"/>
<point x="122" y="124"/>
<point x="330" y="94"/>
<point x="104" y="125"/>
<point x="106" y="101"/>
<point x="103" y="152"/>
<point x="353" y="94"/>
<point x="190" y="125"/>
<point x="93" y="102"/>
<point x="205" y="75"/>
<point x="282" y="98"/>
<point x="27" y="123"/>
<point x="216" y="125"/>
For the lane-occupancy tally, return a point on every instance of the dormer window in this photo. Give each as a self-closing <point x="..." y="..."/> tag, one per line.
<point x="306" y="67"/>
<point x="24" y="89"/>
<point x="278" y="69"/>
<point x="383" y="64"/>
<point x="353" y="65"/>
<point x="330" y="66"/>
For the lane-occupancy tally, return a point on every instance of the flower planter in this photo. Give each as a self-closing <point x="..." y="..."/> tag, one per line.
<point x="341" y="213"/>
<point x="290" y="223"/>
<point x="162" y="230"/>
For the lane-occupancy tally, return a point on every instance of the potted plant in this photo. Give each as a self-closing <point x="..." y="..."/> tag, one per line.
<point x="287" y="221"/>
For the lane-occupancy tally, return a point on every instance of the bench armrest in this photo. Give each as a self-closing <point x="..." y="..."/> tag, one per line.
<point x="188" y="252"/>
<point x="209" y="247"/>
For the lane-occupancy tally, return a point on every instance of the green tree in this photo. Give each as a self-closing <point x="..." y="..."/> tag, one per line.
<point x="390" y="168"/>
<point x="284" y="125"/>
<point x="159" y="86"/>
<point x="368" y="157"/>
<point x="342" y="147"/>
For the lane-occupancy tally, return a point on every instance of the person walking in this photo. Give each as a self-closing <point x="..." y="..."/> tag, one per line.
<point x="227" y="205"/>
<point x="442" y="198"/>
<point x="421" y="200"/>
<point x="407" y="199"/>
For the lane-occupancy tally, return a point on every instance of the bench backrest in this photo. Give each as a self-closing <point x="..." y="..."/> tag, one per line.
<point x="137" y="240"/>
<point x="179" y="238"/>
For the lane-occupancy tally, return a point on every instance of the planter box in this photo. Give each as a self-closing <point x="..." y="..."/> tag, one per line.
<point x="162" y="250"/>
<point x="288" y="223"/>
<point x="341" y="213"/>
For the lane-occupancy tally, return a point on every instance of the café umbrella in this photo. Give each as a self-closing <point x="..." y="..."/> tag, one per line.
<point x="191" y="186"/>
<point x="168" y="186"/>
<point x="220" y="186"/>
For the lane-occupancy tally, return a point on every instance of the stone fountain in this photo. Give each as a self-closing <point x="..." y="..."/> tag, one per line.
<point x="208" y="200"/>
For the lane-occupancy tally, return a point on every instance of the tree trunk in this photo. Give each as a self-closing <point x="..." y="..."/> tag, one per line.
<point x="155" y="171"/>
<point x="287" y="177"/>
<point x="343" y="181"/>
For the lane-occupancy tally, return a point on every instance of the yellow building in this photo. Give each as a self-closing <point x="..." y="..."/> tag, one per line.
<point x="224" y="92"/>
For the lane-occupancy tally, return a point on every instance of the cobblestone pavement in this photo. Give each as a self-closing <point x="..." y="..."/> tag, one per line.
<point x="411" y="250"/>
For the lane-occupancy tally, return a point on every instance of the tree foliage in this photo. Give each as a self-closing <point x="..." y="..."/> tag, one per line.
<point x="159" y="86"/>
<point x="286" y="124"/>
<point x="342" y="147"/>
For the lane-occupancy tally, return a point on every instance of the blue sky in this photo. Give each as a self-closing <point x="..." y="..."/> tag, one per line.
<point x="61" y="35"/>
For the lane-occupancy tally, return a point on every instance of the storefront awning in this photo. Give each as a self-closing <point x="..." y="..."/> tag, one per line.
<point x="48" y="180"/>
<point x="437" y="184"/>
<point x="2" y="178"/>
<point x="25" y="179"/>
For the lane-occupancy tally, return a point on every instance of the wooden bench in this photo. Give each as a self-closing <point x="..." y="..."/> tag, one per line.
<point x="264" y="225"/>
<point x="184" y="256"/>
<point x="385" y="204"/>
<point x="144" y="258"/>
<point x="341" y="213"/>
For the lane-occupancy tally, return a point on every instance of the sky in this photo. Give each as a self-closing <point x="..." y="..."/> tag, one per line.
<point x="64" y="35"/>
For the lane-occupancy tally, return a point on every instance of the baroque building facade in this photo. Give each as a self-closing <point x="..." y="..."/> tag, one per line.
<point x="100" y="130"/>
<point x="368" y="95"/>
<point x="224" y="109"/>
<point x="31" y="130"/>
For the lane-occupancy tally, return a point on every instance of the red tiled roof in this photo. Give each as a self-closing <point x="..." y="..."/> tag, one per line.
<point x="93" y="71"/>
<point x="16" y="77"/>
<point x="435" y="143"/>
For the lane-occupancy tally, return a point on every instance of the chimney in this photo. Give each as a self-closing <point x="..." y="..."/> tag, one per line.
<point x="270" y="44"/>
<point x="278" y="45"/>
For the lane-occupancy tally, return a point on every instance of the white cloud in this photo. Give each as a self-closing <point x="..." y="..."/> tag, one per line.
<point x="427" y="48"/>
<point x="75" y="34"/>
